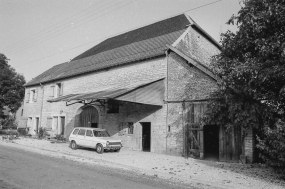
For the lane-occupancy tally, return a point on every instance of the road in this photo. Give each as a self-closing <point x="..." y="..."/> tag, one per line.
<point x="22" y="169"/>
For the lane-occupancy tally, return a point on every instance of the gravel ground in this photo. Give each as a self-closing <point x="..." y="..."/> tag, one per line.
<point x="200" y="173"/>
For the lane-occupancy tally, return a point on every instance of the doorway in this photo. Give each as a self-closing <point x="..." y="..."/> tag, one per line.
<point x="62" y="123"/>
<point x="37" y="124"/>
<point x="89" y="117"/>
<point x="211" y="142"/>
<point x="146" y="136"/>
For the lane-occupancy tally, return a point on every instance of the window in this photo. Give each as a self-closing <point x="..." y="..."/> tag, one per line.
<point x="57" y="90"/>
<point x="126" y="128"/>
<point x="32" y="95"/>
<point x="89" y="133"/>
<point x="81" y="132"/>
<point x="75" y="131"/>
<point x="22" y="112"/>
<point x="130" y="128"/>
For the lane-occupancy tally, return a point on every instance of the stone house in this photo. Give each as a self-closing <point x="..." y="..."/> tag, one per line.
<point x="143" y="86"/>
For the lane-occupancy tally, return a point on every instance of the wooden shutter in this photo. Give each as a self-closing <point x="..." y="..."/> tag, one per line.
<point x="35" y="95"/>
<point x="28" y="95"/>
<point x="49" y="123"/>
<point x="61" y="90"/>
<point x="52" y="90"/>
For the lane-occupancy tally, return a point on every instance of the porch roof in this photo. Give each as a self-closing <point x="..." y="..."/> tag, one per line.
<point x="145" y="92"/>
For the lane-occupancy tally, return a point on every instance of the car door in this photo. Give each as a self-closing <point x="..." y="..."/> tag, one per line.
<point x="89" y="138"/>
<point x="80" y="138"/>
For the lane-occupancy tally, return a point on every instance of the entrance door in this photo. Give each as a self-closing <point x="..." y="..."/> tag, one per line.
<point x="211" y="142"/>
<point x="37" y="124"/>
<point x="146" y="136"/>
<point x="62" y="124"/>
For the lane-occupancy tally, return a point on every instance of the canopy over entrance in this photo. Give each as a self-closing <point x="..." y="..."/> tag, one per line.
<point x="145" y="92"/>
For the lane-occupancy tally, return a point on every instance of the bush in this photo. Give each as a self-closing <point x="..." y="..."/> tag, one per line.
<point x="23" y="131"/>
<point x="60" y="137"/>
<point x="272" y="146"/>
<point x="9" y="124"/>
<point x="9" y="132"/>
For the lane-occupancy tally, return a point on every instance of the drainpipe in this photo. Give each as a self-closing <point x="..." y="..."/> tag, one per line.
<point x="42" y="104"/>
<point x="167" y="56"/>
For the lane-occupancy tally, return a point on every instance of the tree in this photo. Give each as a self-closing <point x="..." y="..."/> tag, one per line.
<point x="252" y="71"/>
<point x="12" y="89"/>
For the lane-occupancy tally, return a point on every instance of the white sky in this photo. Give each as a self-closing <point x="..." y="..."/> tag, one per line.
<point x="38" y="34"/>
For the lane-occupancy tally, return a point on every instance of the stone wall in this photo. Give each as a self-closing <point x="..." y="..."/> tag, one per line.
<point x="129" y="112"/>
<point x="186" y="82"/>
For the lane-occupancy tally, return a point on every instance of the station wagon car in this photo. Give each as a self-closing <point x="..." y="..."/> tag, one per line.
<point x="96" y="138"/>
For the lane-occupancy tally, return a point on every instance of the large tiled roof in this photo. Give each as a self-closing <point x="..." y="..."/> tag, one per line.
<point x="143" y="43"/>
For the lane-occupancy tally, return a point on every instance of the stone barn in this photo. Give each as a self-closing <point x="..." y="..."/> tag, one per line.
<point x="143" y="86"/>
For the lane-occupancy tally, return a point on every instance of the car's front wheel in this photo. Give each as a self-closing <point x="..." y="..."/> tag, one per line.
<point x="73" y="145"/>
<point x="99" y="148"/>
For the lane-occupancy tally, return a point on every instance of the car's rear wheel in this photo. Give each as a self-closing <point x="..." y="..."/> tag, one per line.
<point x="73" y="145"/>
<point x="99" y="149"/>
<point x="118" y="150"/>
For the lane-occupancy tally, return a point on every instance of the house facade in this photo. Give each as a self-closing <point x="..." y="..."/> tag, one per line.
<point x="141" y="86"/>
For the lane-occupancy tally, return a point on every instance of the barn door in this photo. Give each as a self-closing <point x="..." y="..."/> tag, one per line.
<point x="230" y="143"/>
<point x="194" y="129"/>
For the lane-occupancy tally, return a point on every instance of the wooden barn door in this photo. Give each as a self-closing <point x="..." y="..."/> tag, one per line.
<point x="230" y="144"/>
<point x="193" y="129"/>
<point x="89" y="117"/>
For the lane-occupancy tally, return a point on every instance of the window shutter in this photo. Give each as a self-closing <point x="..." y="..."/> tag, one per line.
<point x="49" y="123"/>
<point x="35" y="95"/>
<point x="52" y="91"/>
<point x="61" y="90"/>
<point x="28" y="95"/>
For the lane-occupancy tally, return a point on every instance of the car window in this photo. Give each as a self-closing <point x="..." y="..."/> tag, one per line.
<point x="89" y="133"/>
<point x="101" y="134"/>
<point x="82" y="132"/>
<point x="75" y="131"/>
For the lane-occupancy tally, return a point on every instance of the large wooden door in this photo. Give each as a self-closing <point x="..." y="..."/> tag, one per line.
<point x="230" y="143"/>
<point x="89" y="117"/>
<point x="193" y="129"/>
<point x="222" y="143"/>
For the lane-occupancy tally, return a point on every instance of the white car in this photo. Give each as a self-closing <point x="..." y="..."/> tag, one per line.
<point x="96" y="138"/>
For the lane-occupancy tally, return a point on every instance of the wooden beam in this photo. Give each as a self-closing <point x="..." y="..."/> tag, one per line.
<point x="194" y="63"/>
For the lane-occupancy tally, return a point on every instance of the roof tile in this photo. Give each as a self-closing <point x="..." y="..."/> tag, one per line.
<point x="143" y="43"/>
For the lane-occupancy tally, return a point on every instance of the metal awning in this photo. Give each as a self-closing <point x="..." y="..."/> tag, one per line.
<point x="145" y="92"/>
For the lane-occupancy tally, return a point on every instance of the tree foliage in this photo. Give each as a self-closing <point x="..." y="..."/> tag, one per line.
<point x="251" y="66"/>
<point x="11" y="86"/>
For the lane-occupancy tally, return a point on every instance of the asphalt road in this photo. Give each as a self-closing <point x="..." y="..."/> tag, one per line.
<point x="22" y="169"/>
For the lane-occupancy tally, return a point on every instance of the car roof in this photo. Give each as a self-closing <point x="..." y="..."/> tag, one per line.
<point x="95" y="129"/>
